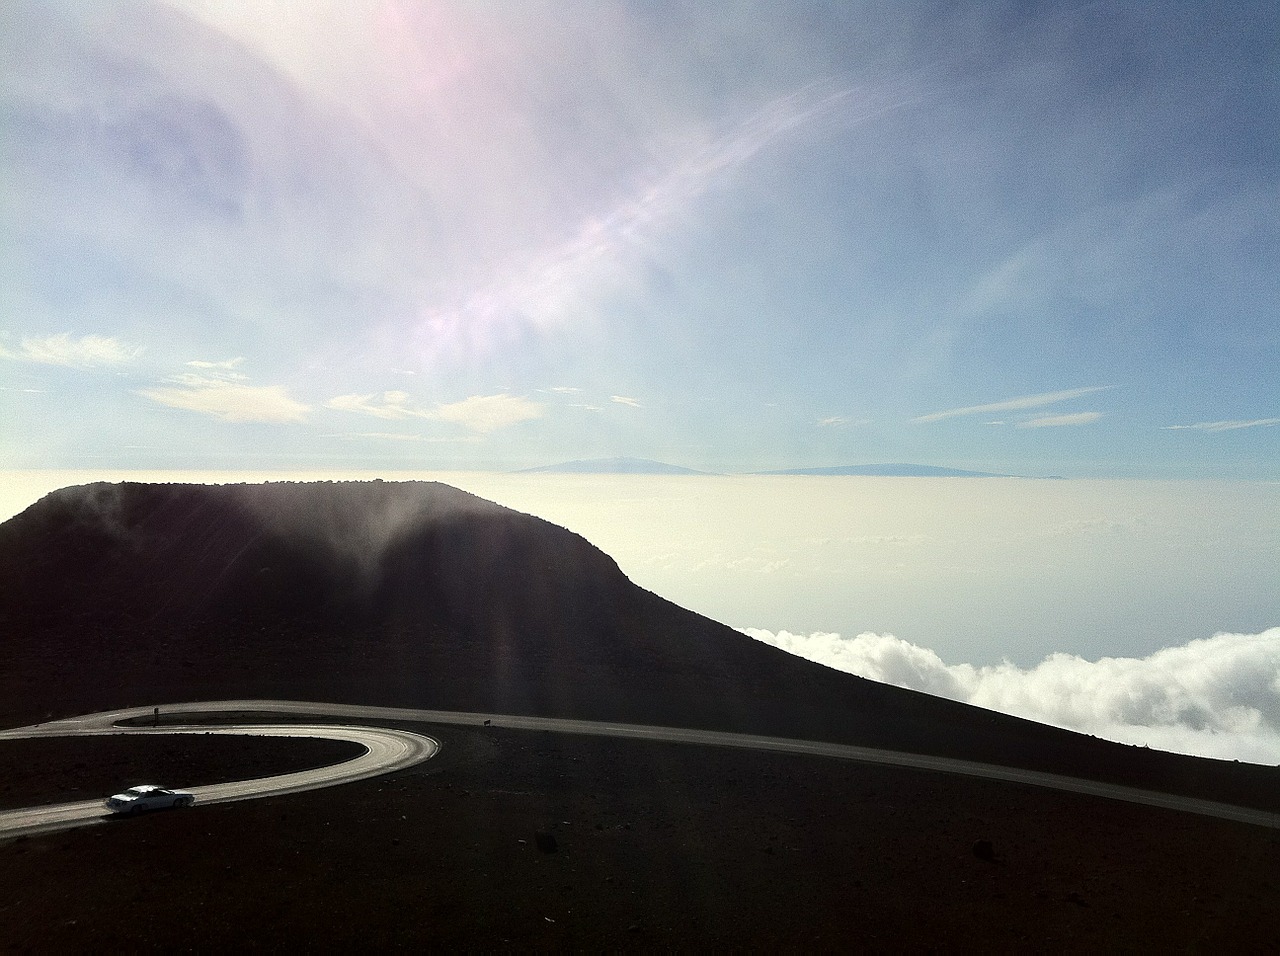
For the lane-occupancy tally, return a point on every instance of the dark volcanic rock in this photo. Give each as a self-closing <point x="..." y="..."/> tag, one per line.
<point x="417" y="594"/>
<point x="241" y="552"/>
<point x="546" y="842"/>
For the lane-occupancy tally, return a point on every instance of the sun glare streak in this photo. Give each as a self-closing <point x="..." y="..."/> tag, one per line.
<point x="537" y="290"/>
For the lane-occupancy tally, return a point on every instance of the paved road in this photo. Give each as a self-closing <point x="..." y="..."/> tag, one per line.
<point x="103" y="723"/>
<point x="386" y="750"/>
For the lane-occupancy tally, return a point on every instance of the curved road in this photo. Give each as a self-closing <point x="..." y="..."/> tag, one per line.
<point x="386" y="750"/>
<point x="396" y="749"/>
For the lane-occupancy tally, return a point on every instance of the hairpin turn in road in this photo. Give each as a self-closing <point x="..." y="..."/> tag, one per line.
<point x="389" y="750"/>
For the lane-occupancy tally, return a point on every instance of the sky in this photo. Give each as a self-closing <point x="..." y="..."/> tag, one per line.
<point x="1034" y="239"/>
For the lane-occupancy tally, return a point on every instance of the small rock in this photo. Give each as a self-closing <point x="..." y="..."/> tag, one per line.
<point x="546" y="842"/>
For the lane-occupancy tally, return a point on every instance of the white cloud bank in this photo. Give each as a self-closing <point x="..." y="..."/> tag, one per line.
<point x="1212" y="697"/>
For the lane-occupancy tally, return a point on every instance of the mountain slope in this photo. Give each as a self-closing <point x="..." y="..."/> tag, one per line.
<point x="417" y="594"/>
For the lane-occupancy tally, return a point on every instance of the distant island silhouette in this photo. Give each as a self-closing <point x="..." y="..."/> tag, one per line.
<point x="645" y="466"/>
<point x="613" y="466"/>
<point x="888" y="471"/>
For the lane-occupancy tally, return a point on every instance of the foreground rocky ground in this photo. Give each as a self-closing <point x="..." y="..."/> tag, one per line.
<point x="655" y="846"/>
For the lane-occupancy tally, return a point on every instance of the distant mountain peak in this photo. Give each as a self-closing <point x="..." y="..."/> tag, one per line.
<point x="614" y="466"/>
<point x="897" y="470"/>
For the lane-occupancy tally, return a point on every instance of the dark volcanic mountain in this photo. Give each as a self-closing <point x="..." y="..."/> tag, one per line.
<point x="417" y="594"/>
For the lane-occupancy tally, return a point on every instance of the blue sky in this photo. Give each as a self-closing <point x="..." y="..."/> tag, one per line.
<point x="1025" y="238"/>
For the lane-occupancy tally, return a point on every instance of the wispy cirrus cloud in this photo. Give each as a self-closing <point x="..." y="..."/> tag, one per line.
<point x="226" y="365"/>
<point x="403" y="437"/>
<point x="479" y="413"/>
<point x="1013" y="404"/>
<point x="841" y="421"/>
<point x="487" y="413"/>
<point x="87" y="351"/>
<point x="1058" y="421"/>
<point x="626" y="400"/>
<point x="232" y="401"/>
<point x="1225" y="426"/>
<point x="218" y="390"/>
<point x="392" y="405"/>
<point x="542" y="285"/>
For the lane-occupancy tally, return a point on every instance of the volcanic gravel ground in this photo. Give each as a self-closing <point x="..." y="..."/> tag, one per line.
<point x="655" y="846"/>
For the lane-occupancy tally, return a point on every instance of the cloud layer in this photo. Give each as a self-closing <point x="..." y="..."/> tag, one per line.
<point x="1212" y="697"/>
